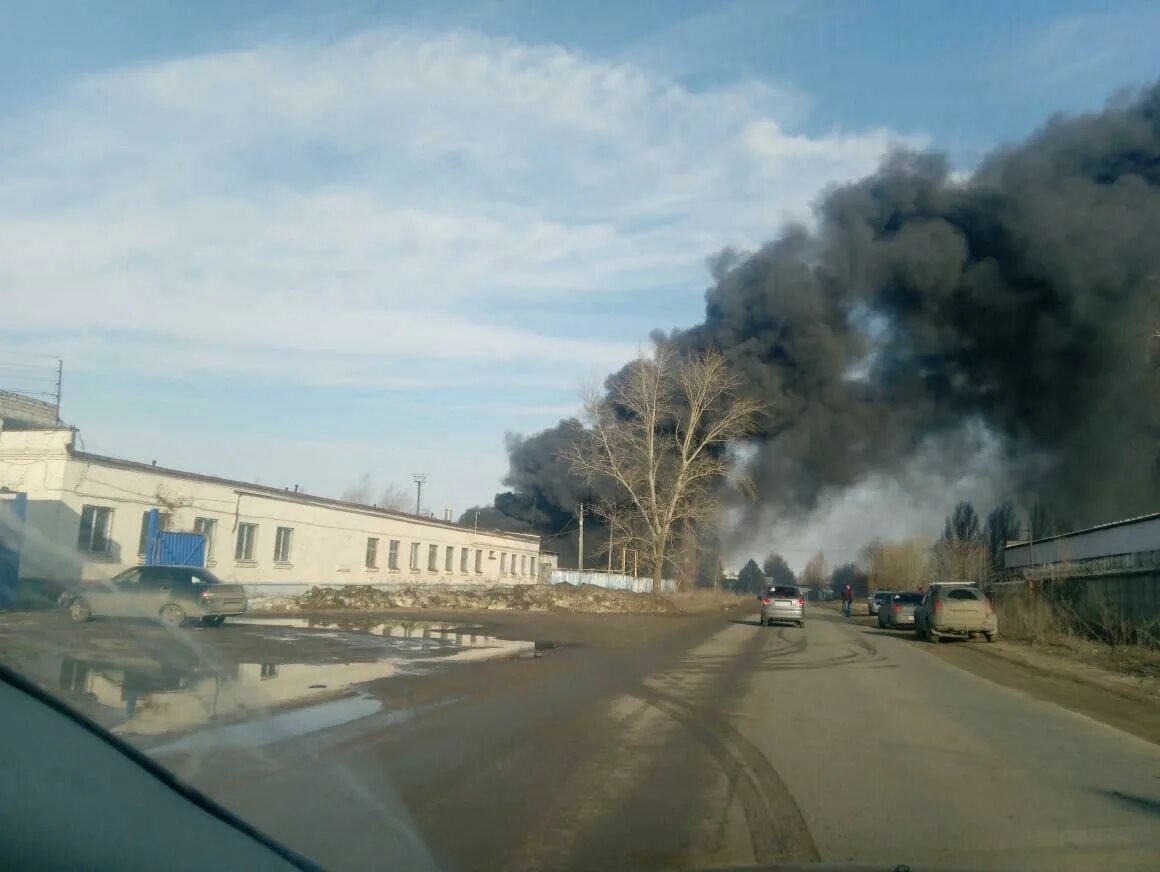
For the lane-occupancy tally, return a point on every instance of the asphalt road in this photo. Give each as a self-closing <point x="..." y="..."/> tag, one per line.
<point x="652" y="743"/>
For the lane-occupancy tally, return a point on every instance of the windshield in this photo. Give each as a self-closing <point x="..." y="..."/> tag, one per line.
<point x="485" y="434"/>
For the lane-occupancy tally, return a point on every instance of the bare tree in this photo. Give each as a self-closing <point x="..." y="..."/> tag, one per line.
<point x="872" y="557"/>
<point x="814" y="574"/>
<point x="894" y="565"/>
<point x="359" y="493"/>
<point x="659" y="437"/>
<point x="962" y="553"/>
<point x="394" y="497"/>
<point x="959" y="560"/>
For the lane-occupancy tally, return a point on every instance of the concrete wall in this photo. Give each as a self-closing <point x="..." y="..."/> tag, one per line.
<point x="328" y="542"/>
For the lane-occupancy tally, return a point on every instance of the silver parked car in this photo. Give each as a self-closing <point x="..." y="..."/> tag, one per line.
<point x="876" y="600"/>
<point x="899" y="612"/>
<point x="783" y="603"/>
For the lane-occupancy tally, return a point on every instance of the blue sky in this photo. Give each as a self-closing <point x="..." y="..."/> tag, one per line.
<point x="296" y="242"/>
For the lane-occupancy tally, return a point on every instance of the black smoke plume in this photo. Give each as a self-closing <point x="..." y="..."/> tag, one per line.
<point x="925" y="308"/>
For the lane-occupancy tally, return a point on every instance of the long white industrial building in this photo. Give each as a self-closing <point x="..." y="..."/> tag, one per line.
<point x="85" y="520"/>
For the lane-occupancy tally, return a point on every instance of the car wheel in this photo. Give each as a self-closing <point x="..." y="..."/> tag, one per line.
<point x="80" y="611"/>
<point x="990" y="637"/>
<point x="801" y="625"/>
<point x="172" y="615"/>
<point x="214" y="620"/>
<point x="933" y="637"/>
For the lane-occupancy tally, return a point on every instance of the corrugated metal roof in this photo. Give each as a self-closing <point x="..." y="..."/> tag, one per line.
<point x="289" y="495"/>
<point x="1123" y="522"/>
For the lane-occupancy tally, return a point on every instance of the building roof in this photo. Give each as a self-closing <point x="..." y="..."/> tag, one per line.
<point x="289" y="495"/>
<point x="1121" y="523"/>
<point x="18" y="411"/>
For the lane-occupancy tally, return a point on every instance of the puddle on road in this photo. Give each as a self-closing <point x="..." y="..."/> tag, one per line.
<point x="419" y="632"/>
<point x="142" y="697"/>
<point x="286" y="725"/>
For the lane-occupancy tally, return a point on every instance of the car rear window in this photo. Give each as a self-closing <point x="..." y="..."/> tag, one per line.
<point x="784" y="591"/>
<point x="962" y="594"/>
<point x="908" y="598"/>
<point x="883" y="595"/>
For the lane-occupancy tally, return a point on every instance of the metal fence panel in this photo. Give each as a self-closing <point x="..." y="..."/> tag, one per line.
<point x="610" y="580"/>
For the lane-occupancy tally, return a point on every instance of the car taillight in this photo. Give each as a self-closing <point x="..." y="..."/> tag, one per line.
<point x="765" y="601"/>
<point x="205" y="594"/>
<point x="897" y="608"/>
<point x="801" y="602"/>
<point x="938" y="605"/>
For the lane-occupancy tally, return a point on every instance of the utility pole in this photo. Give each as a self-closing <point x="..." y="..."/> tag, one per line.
<point x="419" y="479"/>
<point x="610" y="529"/>
<point x="477" y="520"/>
<point x="623" y="559"/>
<point x="59" y="379"/>
<point x="580" y="550"/>
<point x="635" y="554"/>
<point x="1030" y="548"/>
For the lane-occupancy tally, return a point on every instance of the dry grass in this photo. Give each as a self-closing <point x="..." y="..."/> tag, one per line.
<point x="707" y="600"/>
<point x="1113" y="643"/>
<point x="1032" y="619"/>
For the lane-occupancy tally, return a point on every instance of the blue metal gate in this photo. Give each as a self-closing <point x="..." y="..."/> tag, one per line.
<point x="165" y="548"/>
<point x="181" y="549"/>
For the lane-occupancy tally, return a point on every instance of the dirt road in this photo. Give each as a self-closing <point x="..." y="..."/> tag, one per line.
<point x="661" y="742"/>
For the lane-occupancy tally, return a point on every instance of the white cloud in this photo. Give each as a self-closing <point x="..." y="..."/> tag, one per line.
<point x="1086" y="54"/>
<point x="383" y="197"/>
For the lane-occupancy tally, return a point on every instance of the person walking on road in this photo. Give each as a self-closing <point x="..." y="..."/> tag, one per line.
<point x="847" y="600"/>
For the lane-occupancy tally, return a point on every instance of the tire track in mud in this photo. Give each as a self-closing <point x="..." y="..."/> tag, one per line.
<point x="777" y="828"/>
<point x="864" y="653"/>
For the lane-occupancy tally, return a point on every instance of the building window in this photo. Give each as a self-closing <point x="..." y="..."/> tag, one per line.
<point x="393" y="554"/>
<point x="247" y="537"/>
<point x="449" y="560"/>
<point x="503" y="563"/>
<point x="523" y="564"/>
<point x="96" y="525"/>
<point x="372" y="554"/>
<point x="463" y="552"/>
<point x="479" y="560"/>
<point x="208" y="528"/>
<point x="513" y="564"/>
<point x="269" y="670"/>
<point x="414" y="555"/>
<point x="162" y="524"/>
<point x="491" y="555"/>
<point x="282" y="539"/>
<point x="432" y="558"/>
